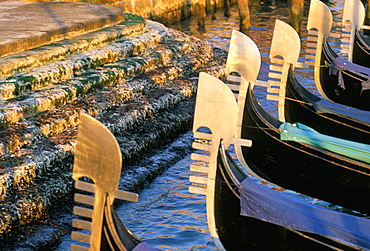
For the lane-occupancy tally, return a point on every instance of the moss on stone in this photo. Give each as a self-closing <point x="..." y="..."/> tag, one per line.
<point x="26" y="79"/>
<point x="140" y="89"/>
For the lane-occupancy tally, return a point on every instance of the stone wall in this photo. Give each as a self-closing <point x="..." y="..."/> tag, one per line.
<point x="164" y="11"/>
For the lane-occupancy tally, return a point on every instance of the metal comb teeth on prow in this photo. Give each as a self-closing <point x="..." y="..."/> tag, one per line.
<point x="202" y="143"/>
<point x="98" y="158"/>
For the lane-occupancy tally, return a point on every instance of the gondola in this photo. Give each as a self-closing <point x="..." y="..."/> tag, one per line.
<point x="344" y="82"/>
<point x="309" y="169"/>
<point x="96" y="171"/>
<point x="297" y="104"/>
<point x="245" y="213"/>
<point x="354" y="43"/>
<point x="361" y="49"/>
<point x="323" y="115"/>
<point x="336" y="78"/>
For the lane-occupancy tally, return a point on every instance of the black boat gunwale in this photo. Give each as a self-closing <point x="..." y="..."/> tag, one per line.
<point x="323" y="115"/>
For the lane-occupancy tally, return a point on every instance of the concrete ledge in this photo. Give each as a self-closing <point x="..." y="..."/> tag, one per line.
<point x="21" y="29"/>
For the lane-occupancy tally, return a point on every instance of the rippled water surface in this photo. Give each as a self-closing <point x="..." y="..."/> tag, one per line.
<point x="218" y="32"/>
<point x="167" y="216"/>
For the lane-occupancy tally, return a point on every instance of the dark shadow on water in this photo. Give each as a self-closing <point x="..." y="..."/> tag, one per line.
<point x="201" y="29"/>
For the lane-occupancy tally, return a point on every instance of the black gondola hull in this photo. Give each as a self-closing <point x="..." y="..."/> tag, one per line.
<point x="237" y="232"/>
<point x="352" y="93"/>
<point x="301" y="167"/>
<point x="300" y="106"/>
<point x="361" y="50"/>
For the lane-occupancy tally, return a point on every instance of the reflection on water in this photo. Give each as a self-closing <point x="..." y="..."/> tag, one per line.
<point x="167" y="216"/>
<point x="218" y="32"/>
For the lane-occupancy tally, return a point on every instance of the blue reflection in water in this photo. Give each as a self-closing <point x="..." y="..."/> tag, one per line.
<point x="167" y="216"/>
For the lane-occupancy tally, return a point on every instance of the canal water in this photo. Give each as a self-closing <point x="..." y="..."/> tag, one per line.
<point x="167" y="216"/>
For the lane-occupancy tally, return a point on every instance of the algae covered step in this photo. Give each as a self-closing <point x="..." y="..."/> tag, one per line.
<point x="154" y="67"/>
<point x="141" y="85"/>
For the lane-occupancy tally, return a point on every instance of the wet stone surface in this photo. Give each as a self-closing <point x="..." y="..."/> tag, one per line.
<point x="140" y="84"/>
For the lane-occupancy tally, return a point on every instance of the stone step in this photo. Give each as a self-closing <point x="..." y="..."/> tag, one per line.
<point x="26" y="25"/>
<point x="122" y="116"/>
<point x="144" y="95"/>
<point x="57" y="95"/>
<point x="123" y="113"/>
<point x="46" y="54"/>
<point x="77" y="64"/>
<point x="48" y="89"/>
<point x="50" y="165"/>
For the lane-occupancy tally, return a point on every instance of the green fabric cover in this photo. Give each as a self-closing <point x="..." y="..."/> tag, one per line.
<point x="304" y="134"/>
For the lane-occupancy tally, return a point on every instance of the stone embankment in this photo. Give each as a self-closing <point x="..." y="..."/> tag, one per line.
<point x="138" y="77"/>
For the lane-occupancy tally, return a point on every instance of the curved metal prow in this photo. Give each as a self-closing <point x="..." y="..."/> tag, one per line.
<point x="284" y="52"/>
<point x="97" y="157"/>
<point x="243" y="57"/>
<point x="353" y="19"/>
<point x="319" y="24"/>
<point x="319" y="18"/>
<point x="215" y="109"/>
<point x="285" y="43"/>
<point x="353" y="12"/>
